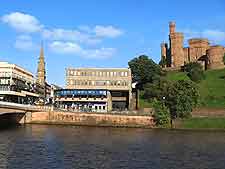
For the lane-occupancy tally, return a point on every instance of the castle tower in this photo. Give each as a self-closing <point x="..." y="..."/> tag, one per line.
<point x="172" y="26"/>
<point x="164" y="51"/>
<point x="176" y="46"/>
<point x="215" y="56"/>
<point x="41" y="73"/>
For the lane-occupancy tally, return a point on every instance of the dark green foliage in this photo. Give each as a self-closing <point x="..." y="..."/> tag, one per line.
<point x="156" y="90"/>
<point x="224" y="58"/>
<point x="181" y="98"/>
<point x="162" y="62"/>
<point x="194" y="71"/>
<point x="161" y="113"/>
<point x="144" y="70"/>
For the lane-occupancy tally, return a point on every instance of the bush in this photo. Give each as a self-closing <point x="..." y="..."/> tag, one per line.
<point x="181" y="98"/>
<point x="194" y="71"/>
<point x="156" y="90"/>
<point x="161" y="113"/>
<point x="224" y="59"/>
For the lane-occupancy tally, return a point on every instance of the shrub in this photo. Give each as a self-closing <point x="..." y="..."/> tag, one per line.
<point x="194" y="71"/>
<point x="181" y="98"/>
<point x="161" y="113"/>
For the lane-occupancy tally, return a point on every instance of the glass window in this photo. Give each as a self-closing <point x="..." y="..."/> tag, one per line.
<point x="125" y="73"/>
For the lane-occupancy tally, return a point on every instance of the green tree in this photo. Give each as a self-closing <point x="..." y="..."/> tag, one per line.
<point x="161" y="113"/>
<point x="162" y="62"/>
<point x="181" y="98"/>
<point x="144" y="70"/>
<point x="194" y="71"/>
<point x="224" y="58"/>
<point x="156" y="90"/>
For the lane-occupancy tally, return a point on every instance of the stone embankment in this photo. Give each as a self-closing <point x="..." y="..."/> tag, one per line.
<point x="89" y="119"/>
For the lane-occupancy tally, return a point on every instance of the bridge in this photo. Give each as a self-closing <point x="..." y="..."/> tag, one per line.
<point x="13" y="113"/>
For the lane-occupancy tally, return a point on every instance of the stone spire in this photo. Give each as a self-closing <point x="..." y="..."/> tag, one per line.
<point x="41" y="74"/>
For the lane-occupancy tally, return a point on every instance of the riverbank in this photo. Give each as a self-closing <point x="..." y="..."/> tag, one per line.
<point x="88" y="119"/>
<point x="108" y="120"/>
<point x="207" y="123"/>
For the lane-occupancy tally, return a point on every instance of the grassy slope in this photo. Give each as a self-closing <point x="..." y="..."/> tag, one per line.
<point x="203" y="123"/>
<point x="212" y="88"/>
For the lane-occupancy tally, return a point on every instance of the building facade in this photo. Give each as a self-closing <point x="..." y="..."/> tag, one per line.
<point x="96" y="89"/>
<point x="176" y="55"/>
<point x="20" y="86"/>
<point x="17" y="84"/>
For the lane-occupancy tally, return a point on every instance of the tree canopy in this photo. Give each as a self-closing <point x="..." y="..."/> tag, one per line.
<point x="181" y="98"/>
<point x="224" y="58"/>
<point x="144" y="70"/>
<point x="194" y="71"/>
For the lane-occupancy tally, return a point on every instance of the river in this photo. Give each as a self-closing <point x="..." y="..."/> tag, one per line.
<point x="71" y="147"/>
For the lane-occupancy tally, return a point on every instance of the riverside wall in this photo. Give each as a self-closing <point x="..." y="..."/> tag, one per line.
<point x="88" y="119"/>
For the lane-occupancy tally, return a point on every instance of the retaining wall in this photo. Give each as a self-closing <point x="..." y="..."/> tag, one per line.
<point x="89" y="119"/>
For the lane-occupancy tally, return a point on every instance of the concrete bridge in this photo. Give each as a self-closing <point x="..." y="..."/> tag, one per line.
<point x="13" y="113"/>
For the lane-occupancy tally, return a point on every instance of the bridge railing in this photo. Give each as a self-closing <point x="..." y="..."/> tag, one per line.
<point x="24" y="107"/>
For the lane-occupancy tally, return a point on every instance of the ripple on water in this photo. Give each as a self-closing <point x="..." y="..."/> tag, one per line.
<point x="40" y="146"/>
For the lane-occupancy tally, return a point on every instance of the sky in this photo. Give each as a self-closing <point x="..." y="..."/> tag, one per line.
<point x="100" y="33"/>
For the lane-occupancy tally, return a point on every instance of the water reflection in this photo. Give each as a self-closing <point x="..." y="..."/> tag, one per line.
<point x="40" y="146"/>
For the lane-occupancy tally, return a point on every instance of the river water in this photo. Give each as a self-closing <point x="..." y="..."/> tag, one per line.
<point x="71" y="147"/>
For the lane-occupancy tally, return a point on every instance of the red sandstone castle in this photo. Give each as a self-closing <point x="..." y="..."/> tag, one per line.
<point x="199" y="50"/>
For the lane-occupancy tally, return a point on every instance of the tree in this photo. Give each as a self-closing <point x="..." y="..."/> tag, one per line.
<point x="161" y="113"/>
<point x="224" y="59"/>
<point x="194" y="71"/>
<point x="144" y="70"/>
<point x="181" y="98"/>
<point x="156" y="90"/>
<point x="162" y="62"/>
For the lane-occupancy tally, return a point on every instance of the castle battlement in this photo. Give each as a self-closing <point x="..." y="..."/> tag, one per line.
<point x="199" y="50"/>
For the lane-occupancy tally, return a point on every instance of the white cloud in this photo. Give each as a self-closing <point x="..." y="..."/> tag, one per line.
<point x="70" y="35"/>
<point x="107" y="31"/>
<point x="101" y="53"/>
<point x="24" y="42"/>
<point x="75" y="49"/>
<point x="215" y="36"/>
<point x="65" y="47"/>
<point x="64" y="41"/>
<point x="84" y="34"/>
<point x="22" y="22"/>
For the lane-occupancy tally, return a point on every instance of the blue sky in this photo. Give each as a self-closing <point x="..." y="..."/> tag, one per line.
<point x="99" y="33"/>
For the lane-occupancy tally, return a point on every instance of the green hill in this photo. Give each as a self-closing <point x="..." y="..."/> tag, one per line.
<point x="212" y="88"/>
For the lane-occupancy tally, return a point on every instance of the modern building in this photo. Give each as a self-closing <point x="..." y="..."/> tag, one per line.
<point x="20" y="86"/>
<point x="17" y="84"/>
<point x="97" y="89"/>
<point x="176" y="55"/>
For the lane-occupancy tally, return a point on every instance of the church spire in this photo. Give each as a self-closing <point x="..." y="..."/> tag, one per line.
<point x="41" y="74"/>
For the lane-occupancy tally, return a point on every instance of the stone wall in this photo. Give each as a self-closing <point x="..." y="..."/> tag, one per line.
<point x="89" y="119"/>
<point x="215" y="55"/>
